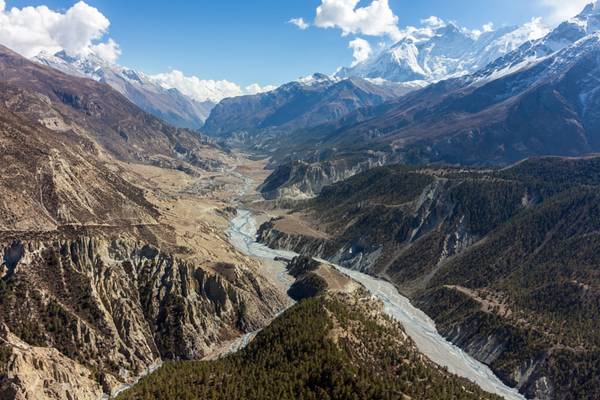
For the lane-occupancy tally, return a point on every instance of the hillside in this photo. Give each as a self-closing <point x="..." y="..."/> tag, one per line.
<point x="95" y="109"/>
<point x="328" y="347"/>
<point x="503" y="260"/>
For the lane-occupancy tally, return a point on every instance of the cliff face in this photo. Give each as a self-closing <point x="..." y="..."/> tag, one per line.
<point x="112" y="256"/>
<point x="113" y="307"/>
<point x="301" y="179"/>
<point x="299" y="243"/>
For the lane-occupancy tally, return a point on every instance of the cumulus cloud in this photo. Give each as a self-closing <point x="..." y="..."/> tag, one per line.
<point x="374" y="19"/>
<point x="361" y="50"/>
<point x="299" y="22"/>
<point x="560" y="10"/>
<point x="78" y="31"/>
<point x="203" y="89"/>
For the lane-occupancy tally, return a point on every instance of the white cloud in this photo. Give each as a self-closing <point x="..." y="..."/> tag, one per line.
<point x="202" y="90"/>
<point x="256" y="88"/>
<point x="433" y="22"/>
<point x="361" y="50"/>
<point x="561" y="10"/>
<point x="31" y="30"/>
<point x="109" y="51"/>
<point x="299" y="22"/>
<point x="374" y="19"/>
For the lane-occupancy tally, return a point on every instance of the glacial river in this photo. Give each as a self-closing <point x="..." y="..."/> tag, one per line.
<point x="242" y="234"/>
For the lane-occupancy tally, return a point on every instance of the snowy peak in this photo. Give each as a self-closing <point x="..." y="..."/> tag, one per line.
<point x="592" y="8"/>
<point x="442" y="50"/>
<point x="564" y="36"/>
<point x="316" y="79"/>
<point x="168" y="104"/>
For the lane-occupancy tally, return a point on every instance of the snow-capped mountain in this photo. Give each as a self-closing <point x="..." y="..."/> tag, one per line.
<point x="531" y="52"/>
<point x="443" y="51"/>
<point x="541" y="99"/>
<point x="168" y="104"/>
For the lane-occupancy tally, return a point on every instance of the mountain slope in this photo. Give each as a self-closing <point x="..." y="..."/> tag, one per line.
<point x="505" y="261"/>
<point x="168" y="104"/>
<point x="95" y="109"/>
<point x="331" y="346"/>
<point x="496" y="116"/>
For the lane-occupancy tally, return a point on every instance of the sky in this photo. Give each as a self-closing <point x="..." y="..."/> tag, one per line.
<point x="250" y="44"/>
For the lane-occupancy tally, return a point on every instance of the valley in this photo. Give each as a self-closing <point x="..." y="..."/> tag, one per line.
<point x="422" y="223"/>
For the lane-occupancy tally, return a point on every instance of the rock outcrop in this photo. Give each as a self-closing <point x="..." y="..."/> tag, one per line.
<point x="299" y="243"/>
<point x="43" y="373"/>
<point x="301" y="180"/>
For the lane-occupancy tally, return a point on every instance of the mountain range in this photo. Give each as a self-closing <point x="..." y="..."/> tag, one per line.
<point x="442" y="51"/>
<point x="539" y="99"/>
<point x="299" y="105"/>
<point x="168" y="104"/>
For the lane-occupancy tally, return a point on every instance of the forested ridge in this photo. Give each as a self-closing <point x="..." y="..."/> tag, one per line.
<point x="322" y="348"/>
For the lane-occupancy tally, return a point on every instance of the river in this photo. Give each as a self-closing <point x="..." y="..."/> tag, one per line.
<point x="242" y="234"/>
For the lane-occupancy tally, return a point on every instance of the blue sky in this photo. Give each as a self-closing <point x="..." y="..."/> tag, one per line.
<point x="251" y="42"/>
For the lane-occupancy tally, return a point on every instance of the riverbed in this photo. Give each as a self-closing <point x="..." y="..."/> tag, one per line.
<point x="242" y="234"/>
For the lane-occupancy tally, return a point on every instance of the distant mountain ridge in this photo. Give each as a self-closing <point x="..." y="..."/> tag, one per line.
<point x="298" y="105"/>
<point x="168" y="104"/>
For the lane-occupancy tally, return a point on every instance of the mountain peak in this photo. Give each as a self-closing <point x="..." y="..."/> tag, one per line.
<point x="170" y="105"/>
<point x="592" y="8"/>
<point x="440" y="52"/>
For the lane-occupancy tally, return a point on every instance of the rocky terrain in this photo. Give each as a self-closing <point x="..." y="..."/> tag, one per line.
<point x="113" y="255"/>
<point x="301" y="179"/>
<point x="128" y="246"/>
<point x="501" y="259"/>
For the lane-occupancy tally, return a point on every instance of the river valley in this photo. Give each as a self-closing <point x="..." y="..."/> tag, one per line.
<point x="242" y="234"/>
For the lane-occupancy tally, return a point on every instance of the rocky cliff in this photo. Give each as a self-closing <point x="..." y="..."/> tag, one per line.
<point x="114" y="306"/>
<point x="302" y="179"/>
<point x="110" y="261"/>
<point x="300" y="243"/>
